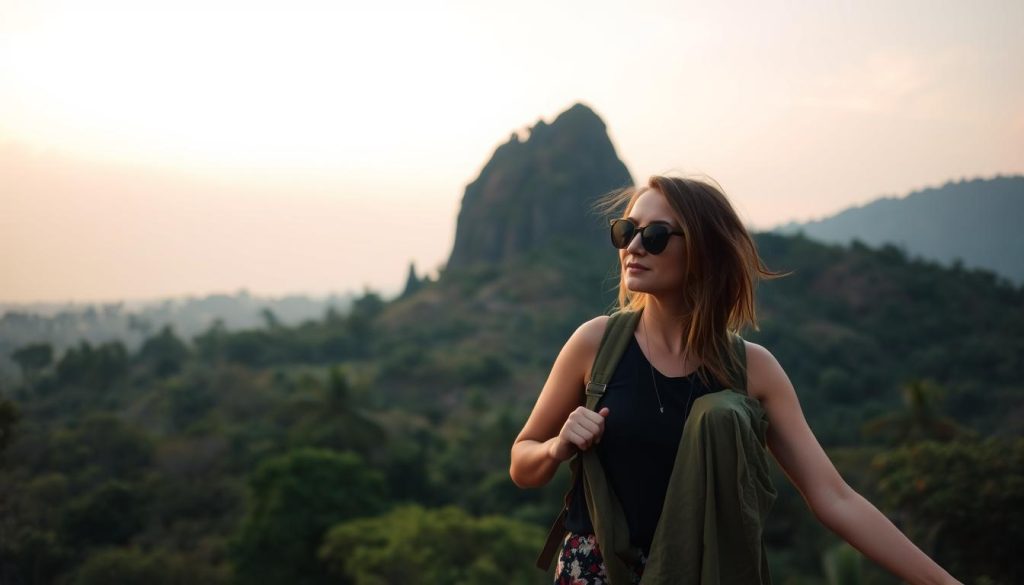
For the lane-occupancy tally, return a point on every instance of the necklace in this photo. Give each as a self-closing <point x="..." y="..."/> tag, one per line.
<point x="661" y="407"/>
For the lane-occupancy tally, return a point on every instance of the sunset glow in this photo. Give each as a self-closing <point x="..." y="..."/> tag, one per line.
<point x="128" y="127"/>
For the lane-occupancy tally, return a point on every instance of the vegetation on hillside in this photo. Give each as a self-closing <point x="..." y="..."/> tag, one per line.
<point x="297" y="453"/>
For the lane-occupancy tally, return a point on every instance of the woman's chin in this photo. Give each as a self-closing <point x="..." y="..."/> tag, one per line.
<point x="636" y="285"/>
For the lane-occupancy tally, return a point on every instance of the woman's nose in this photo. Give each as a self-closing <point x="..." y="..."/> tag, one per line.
<point x="636" y="246"/>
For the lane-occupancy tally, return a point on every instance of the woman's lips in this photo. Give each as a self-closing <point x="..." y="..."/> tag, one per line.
<point x="635" y="268"/>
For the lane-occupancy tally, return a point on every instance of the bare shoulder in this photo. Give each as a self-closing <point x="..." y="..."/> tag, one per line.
<point x="563" y="390"/>
<point x="756" y="352"/>
<point x="763" y="371"/>
<point x="585" y="341"/>
<point x="591" y="332"/>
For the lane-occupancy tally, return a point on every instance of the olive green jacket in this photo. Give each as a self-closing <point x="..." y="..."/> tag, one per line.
<point x="719" y="494"/>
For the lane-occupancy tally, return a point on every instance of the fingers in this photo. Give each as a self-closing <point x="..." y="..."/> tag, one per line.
<point x="594" y="427"/>
<point x="597" y="417"/>
<point x="574" y="437"/>
<point x="588" y="419"/>
<point x="584" y="427"/>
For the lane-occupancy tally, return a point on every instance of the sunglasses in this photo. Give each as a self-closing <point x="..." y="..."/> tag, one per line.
<point x="653" y="236"/>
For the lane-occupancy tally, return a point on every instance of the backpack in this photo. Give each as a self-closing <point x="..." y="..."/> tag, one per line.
<point x="611" y="522"/>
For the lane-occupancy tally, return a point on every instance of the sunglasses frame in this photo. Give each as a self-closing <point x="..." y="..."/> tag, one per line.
<point x="642" y="230"/>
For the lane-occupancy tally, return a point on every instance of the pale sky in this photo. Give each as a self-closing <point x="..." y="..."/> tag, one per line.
<point x="156" y="148"/>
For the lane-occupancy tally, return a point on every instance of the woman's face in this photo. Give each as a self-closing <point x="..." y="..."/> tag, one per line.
<point x="653" y="273"/>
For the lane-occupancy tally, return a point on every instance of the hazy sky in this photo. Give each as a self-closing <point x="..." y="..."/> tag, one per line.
<point x="152" y="148"/>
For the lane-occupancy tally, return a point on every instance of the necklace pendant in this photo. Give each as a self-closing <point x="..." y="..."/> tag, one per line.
<point x="662" y="408"/>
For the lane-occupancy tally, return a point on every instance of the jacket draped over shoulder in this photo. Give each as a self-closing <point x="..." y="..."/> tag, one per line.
<point x="711" y="527"/>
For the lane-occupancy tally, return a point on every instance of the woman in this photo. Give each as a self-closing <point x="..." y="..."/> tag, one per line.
<point x="691" y="273"/>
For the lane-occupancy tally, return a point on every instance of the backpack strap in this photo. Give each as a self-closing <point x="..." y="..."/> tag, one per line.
<point x="617" y="333"/>
<point x="616" y="338"/>
<point x="738" y="370"/>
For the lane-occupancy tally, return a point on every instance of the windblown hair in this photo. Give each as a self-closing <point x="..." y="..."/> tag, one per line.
<point x="722" y="268"/>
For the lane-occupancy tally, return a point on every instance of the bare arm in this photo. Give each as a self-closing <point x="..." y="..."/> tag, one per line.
<point x="559" y="425"/>
<point x="830" y="498"/>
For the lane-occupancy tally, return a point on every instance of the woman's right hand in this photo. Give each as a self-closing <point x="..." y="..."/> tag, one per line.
<point x="582" y="429"/>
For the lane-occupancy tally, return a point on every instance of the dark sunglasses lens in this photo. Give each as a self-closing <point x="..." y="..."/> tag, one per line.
<point x="655" y="238"/>
<point x="622" y="233"/>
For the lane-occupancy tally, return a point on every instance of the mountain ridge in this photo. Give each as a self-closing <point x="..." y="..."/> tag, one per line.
<point x="974" y="222"/>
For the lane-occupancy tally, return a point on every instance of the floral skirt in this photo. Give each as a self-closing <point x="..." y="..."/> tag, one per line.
<point x="580" y="562"/>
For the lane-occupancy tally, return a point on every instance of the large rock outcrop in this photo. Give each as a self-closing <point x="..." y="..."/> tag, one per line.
<point x="531" y="193"/>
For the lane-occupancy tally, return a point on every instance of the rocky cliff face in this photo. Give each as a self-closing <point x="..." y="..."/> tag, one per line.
<point x="531" y="193"/>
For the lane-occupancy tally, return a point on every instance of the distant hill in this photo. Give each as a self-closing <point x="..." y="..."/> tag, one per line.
<point x="66" y="324"/>
<point x="532" y="192"/>
<point x="977" y="221"/>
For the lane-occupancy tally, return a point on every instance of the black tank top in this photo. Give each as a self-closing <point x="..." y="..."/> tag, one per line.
<point x="638" y="448"/>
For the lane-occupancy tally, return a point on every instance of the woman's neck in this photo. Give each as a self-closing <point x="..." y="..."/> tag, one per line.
<point x="667" y="324"/>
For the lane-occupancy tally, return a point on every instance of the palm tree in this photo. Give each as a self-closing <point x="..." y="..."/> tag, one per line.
<point x="919" y="420"/>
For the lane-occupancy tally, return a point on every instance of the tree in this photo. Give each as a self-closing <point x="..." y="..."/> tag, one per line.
<point x="413" y="545"/>
<point x="962" y="501"/>
<point x="920" y="419"/>
<point x="295" y="498"/>
<point x="164" y="352"/>
<point x="336" y="422"/>
<point x="210" y="343"/>
<point x="32" y="555"/>
<point x="338" y="390"/>
<point x="111" y="514"/>
<point x="270" y="319"/>
<point x="33" y="358"/>
<point x="8" y="418"/>
<point x="102" y="446"/>
<point x="91" y="366"/>
<point x="134" y="567"/>
<point x="412" y="282"/>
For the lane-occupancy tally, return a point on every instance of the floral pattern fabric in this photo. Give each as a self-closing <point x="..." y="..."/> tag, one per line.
<point x="580" y="562"/>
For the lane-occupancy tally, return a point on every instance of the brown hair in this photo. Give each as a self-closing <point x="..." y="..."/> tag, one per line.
<point x="722" y="268"/>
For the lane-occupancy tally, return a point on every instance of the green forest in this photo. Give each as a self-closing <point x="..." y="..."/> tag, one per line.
<point x="372" y="446"/>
